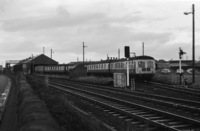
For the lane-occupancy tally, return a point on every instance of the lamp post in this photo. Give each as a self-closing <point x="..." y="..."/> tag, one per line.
<point x="193" y="41"/>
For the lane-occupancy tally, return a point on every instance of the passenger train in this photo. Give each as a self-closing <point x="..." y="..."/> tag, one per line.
<point x="142" y="67"/>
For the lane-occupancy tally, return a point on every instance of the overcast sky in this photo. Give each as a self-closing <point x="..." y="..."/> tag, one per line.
<point x="26" y="26"/>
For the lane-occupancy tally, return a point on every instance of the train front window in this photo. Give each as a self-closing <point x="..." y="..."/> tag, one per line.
<point x="150" y="64"/>
<point x="141" y="64"/>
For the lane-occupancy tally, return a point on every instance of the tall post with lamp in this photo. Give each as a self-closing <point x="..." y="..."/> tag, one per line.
<point x="193" y="41"/>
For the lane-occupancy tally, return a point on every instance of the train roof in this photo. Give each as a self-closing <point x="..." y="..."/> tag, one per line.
<point x="105" y="61"/>
<point x="122" y="59"/>
<point x="142" y="57"/>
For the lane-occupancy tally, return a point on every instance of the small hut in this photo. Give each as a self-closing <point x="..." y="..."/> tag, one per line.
<point x="78" y="71"/>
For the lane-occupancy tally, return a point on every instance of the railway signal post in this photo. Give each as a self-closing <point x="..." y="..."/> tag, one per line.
<point x="181" y="53"/>
<point x="127" y="55"/>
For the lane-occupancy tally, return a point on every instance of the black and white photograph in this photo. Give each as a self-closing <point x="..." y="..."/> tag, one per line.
<point x="99" y="65"/>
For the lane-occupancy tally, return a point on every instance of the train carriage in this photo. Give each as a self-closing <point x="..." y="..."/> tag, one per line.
<point x="98" y="68"/>
<point x="39" y="69"/>
<point x="140" y="67"/>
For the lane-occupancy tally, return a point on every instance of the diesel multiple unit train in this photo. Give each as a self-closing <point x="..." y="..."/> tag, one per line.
<point x="142" y="67"/>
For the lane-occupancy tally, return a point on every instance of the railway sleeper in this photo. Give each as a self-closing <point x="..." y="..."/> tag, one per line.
<point x="138" y="113"/>
<point x="134" y="111"/>
<point x="116" y="115"/>
<point x="163" y="120"/>
<point x="155" y="118"/>
<point x="111" y="112"/>
<point x="133" y="125"/>
<point x="175" y="123"/>
<point x="182" y="126"/>
<point x="122" y="117"/>
<point x="147" y="115"/>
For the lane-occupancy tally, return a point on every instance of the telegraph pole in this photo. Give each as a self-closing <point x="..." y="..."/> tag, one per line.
<point x="51" y="53"/>
<point x="143" y="48"/>
<point x="83" y="53"/>
<point x="32" y="64"/>
<point x="118" y="53"/>
<point x="44" y="50"/>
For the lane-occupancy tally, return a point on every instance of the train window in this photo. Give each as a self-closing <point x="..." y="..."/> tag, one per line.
<point x="143" y="69"/>
<point x="150" y="64"/>
<point x="141" y="64"/>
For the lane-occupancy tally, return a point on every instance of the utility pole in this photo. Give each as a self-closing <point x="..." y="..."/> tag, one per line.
<point x="44" y="50"/>
<point x="83" y="53"/>
<point x="51" y="53"/>
<point x="143" y="48"/>
<point x="32" y="64"/>
<point x="118" y="53"/>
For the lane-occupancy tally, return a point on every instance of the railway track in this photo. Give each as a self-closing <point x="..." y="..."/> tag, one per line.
<point x="137" y="113"/>
<point x="179" y="89"/>
<point x="184" y="107"/>
<point x="134" y="113"/>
